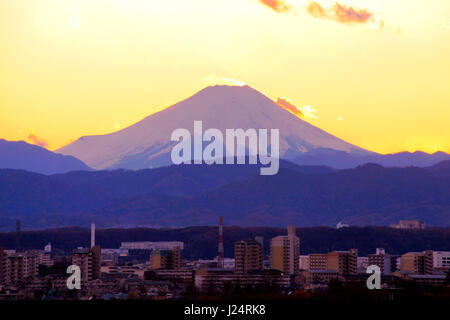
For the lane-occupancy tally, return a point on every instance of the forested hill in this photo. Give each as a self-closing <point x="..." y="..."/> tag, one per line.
<point x="201" y="242"/>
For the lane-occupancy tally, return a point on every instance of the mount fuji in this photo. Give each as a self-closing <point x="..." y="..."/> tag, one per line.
<point x="147" y="144"/>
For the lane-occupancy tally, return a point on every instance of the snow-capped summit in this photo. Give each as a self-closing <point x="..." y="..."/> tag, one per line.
<point x="147" y="143"/>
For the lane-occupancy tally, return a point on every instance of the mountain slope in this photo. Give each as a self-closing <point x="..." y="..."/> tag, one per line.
<point x="367" y="195"/>
<point x="24" y="193"/>
<point x="343" y="160"/>
<point x="72" y="198"/>
<point x="182" y="181"/>
<point x="440" y="169"/>
<point x="147" y="143"/>
<point x="21" y="155"/>
<point x="185" y="196"/>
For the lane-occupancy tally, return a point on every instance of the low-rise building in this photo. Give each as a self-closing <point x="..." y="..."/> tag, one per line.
<point x="137" y="270"/>
<point x="417" y="262"/>
<point x="441" y="260"/>
<point x="228" y="263"/>
<point x="437" y="279"/>
<point x="409" y="224"/>
<point x="111" y="256"/>
<point x="218" y="278"/>
<point x="362" y="264"/>
<point x="185" y="275"/>
<point x="343" y="262"/>
<point x="140" y="251"/>
<point x="149" y="245"/>
<point x="308" y="277"/>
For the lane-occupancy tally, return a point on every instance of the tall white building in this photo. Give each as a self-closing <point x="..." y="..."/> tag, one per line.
<point x="285" y="252"/>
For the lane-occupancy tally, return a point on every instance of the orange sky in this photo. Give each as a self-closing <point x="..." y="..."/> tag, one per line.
<point x="376" y="75"/>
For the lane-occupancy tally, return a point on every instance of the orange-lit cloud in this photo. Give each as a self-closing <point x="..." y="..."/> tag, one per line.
<point x="343" y="14"/>
<point x="34" y="139"/>
<point x="277" y="5"/>
<point x="348" y="14"/>
<point x="288" y="104"/>
<point x="306" y="112"/>
<point x="316" y="10"/>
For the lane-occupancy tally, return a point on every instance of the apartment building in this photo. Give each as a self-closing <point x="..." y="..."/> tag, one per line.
<point x="89" y="261"/>
<point x="165" y="259"/>
<point x="248" y="255"/>
<point x="43" y="258"/>
<point x="441" y="260"/>
<point x="285" y="252"/>
<point x="304" y="262"/>
<point x="417" y="262"/>
<point x="317" y="261"/>
<point x="19" y="266"/>
<point x="3" y="266"/>
<point x="382" y="260"/>
<point x="344" y="262"/>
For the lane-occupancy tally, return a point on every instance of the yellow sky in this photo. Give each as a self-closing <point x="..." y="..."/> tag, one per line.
<point x="386" y="90"/>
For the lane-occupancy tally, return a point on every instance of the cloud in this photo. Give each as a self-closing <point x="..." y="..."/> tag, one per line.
<point x="288" y="104"/>
<point x="277" y="5"/>
<point x="309" y="112"/>
<point x="348" y="14"/>
<point x="306" y="112"/>
<point x="316" y="10"/>
<point x="216" y="80"/>
<point x="37" y="141"/>
<point x="344" y="14"/>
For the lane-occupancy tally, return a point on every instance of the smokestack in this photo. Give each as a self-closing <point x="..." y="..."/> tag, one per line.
<point x="220" y="257"/>
<point x="92" y="235"/>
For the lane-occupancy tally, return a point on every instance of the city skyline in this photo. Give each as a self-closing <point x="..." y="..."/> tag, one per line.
<point x="150" y="270"/>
